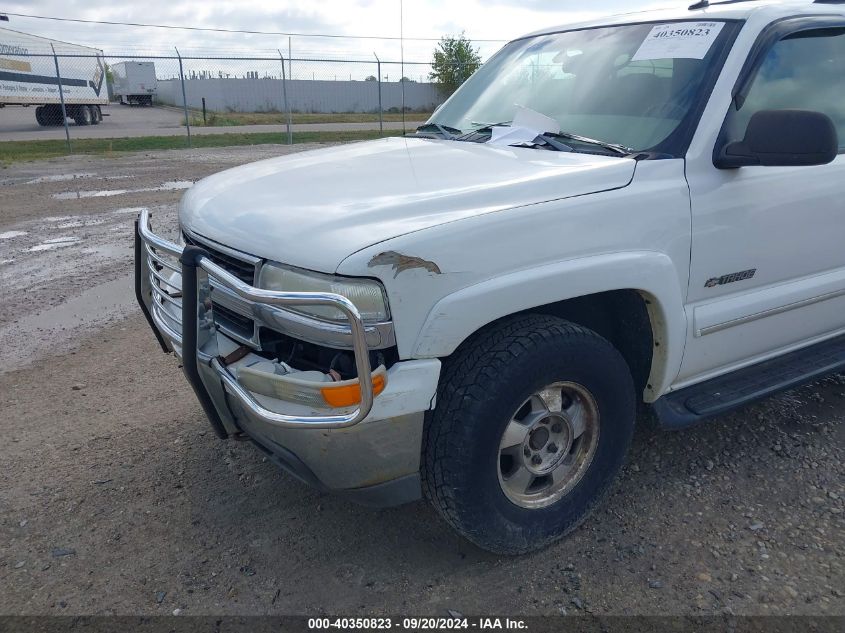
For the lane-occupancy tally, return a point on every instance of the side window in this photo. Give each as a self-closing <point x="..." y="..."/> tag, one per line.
<point x="805" y="71"/>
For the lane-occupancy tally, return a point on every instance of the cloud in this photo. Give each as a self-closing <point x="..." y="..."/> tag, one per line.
<point x="480" y="19"/>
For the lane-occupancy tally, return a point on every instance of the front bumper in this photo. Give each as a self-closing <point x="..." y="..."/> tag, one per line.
<point x="370" y="450"/>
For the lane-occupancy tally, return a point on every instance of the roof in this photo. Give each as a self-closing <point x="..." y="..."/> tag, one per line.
<point x="37" y="44"/>
<point x="766" y="10"/>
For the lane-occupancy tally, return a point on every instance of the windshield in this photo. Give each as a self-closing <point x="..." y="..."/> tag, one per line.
<point x="631" y="85"/>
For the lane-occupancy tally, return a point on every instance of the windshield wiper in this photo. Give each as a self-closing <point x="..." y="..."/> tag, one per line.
<point x="485" y="129"/>
<point x="487" y="126"/>
<point x="445" y="131"/>
<point x="613" y="147"/>
<point x="548" y="140"/>
<point x="551" y="136"/>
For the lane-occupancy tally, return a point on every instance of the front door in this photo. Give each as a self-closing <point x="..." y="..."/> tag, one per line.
<point x="768" y="243"/>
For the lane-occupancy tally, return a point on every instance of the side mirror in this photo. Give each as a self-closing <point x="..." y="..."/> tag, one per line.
<point x="783" y="138"/>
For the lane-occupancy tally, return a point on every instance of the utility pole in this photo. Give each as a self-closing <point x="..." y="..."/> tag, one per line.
<point x="184" y="95"/>
<point x="62" y="95"/>
<point x="380" y="109"/>
<point x="285" y="97"/>
<point x="402" y="58"/>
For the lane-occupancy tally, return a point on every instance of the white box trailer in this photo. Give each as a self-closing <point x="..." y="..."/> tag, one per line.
<point x="28" y="78"/>
<point x="134" y="82"/>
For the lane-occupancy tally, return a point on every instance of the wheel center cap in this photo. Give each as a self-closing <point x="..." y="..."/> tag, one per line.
<point x="539" y="437"/>
<point x="547" y="444"/>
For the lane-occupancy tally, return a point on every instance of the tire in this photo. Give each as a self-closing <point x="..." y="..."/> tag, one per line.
<point x="84" y="116"/>
<point x="51" y="115"/>
<point x="97" y="114"/>
<point x="41" y="117"/>
<point x="499" y="375"/>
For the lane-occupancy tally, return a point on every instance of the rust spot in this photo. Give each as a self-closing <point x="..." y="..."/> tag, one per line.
<point x="401" y="263"/>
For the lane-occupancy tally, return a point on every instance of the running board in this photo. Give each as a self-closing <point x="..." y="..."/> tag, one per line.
<point x="694" y="404"/>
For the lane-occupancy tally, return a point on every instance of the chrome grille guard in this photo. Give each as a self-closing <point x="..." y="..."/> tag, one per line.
<point x="180" y="315"/>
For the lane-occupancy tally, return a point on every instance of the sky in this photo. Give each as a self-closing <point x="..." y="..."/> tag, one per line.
<point x="479" y="19"/>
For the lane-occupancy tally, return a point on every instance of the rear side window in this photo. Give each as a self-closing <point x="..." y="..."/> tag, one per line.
<point x="805" y="71"/>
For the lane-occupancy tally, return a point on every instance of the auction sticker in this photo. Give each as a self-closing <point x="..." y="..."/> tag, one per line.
<point x="680" y="40"/>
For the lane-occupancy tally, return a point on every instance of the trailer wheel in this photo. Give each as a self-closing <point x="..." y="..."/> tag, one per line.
<point x="97" y="113"/>
<point x="84" y="116"/>
<point x="50" y="114"/>
<point x="41" y="117"/>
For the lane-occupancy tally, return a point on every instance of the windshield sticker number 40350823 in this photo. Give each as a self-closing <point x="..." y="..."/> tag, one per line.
<point x="679" y="40"/>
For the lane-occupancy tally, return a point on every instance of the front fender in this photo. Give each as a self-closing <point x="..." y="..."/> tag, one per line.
<point x="455" y="317"/>
<point x="448" y="281"/>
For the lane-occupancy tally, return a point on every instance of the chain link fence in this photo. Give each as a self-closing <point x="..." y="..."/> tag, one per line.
<point x="92" y="95"/>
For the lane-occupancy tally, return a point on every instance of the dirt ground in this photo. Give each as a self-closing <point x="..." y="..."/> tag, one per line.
<point x="116" y="498"/>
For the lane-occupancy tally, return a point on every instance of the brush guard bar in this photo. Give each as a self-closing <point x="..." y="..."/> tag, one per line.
<point x="181" y="317"/>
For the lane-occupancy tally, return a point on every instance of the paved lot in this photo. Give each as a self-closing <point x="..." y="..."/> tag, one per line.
<point x="18" y="124"/>
<point x="115" y="497"/>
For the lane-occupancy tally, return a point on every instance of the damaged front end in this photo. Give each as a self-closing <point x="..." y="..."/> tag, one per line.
<point x="263" y="370"/>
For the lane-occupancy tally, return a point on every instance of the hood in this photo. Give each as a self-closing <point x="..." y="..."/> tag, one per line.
<point x="314" y="209"/>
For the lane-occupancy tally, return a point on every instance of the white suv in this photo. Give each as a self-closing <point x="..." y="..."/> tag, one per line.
<point x="641" y="209"/>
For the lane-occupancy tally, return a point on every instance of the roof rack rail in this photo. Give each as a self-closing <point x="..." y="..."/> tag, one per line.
<point x="704" y="4"/>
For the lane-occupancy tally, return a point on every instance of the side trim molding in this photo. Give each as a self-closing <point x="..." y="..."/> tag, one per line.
<point x="767" y="313"/>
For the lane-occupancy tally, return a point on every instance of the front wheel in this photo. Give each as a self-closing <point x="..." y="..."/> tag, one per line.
<point x="534" y="418"/>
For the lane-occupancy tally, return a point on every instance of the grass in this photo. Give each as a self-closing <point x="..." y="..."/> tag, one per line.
<point x="18" y="151"/>
<point x="279" y="118"/>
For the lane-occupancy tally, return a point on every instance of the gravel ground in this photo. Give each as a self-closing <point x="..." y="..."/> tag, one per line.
<point x="116" y="498"/>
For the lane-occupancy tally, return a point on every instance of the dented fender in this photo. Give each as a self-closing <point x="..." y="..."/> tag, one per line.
<point x="446" y="282"/>
<point x="400" y="263"/>
<point x="455" y="317"/>
<point x="459" y="314"/>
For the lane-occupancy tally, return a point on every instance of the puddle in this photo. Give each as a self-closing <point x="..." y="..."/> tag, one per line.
<point x="110" y="251"/>
<point x="8" y="235"/>
<point x="47" y="247"/>
<point x="172" y="185"/>
<point x="56" y="242"/>
<point x="57" y="178"/>
<point x="76" y="195"/>
<point x="93" y="308"/>
<point x="76" y="224"/>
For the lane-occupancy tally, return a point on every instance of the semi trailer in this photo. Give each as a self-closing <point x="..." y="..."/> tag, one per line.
<point x="30" y="75"/>
<point x="134" y="83"/>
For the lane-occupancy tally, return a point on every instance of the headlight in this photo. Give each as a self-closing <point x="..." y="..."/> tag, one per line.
<point x="367" y="295"/>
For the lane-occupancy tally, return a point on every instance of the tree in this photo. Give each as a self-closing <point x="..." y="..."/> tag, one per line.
<point x="371" y="78"/>
<point x="454" y="61"/>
